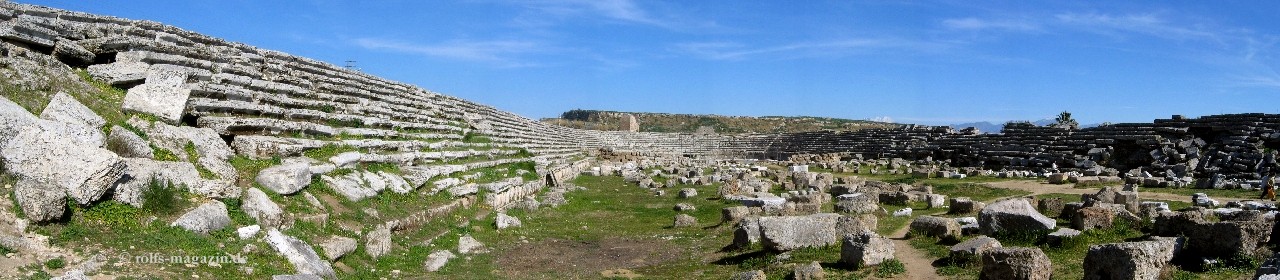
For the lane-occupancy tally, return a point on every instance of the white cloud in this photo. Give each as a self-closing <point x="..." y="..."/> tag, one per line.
<point x="977" y="24"/>
<point x="1148" y="24"/>
<point x="1260" y="81"/>
<point x="626" y="11"/>
<point x="849" y="46"/>
<point x="500" y="52"/>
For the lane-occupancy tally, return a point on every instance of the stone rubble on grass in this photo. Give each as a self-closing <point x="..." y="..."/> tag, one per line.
<point x="1011" y="216"/>
<point x="208" y="217"/>
<point x="285" y="178"/>
<point x="504" y="221"/>
<point x="810" y="271"/>
<point x="259" y="206"/>
<point x="865" y="249"/>
<point x="1015" y="263"/>
<point x="469" y="245"/>
<point x="972" y="249"/>
<point x="302" y="256"/>
<point x="684" y="220"/>
<point x="1130" y="260"/>
<point x="437" y="260"/>
<point x="248" y="232"/>
<point x="687" y="193"/>
<point x="378" y="241"/>
<point x="338" y="246"/>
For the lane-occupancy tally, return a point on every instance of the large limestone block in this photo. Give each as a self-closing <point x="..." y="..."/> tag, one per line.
<point x="302" y="256"/>
<point x="207" y="217"/>
<point x="338" y="246"/>
<point x="141" y="172"/>
<point x="27" y="31"/>
<point x="865" y="249"/>
<point x="858" y="203"/>
<point x="1013" y="215"/>
<point x="211" y="151"/>
<point x="13" y="118"/>
<point x="786" y="233"/>
<point x="1015" y="263"/>
<point x="83" y="125"/>
<point x="49" y="156"/>
<point x="378" y="242"/>
<point x="945" y="228"/>
<point x="128" y="144"/>
<point x="285" y="178"/>
<point x="72" y="53"/>
<point x="119" y="73"/>
<point x="437" y="260"/>
<point x="971" y="249"/>
<point x="164" y="94"/>
<point x="41" y="202"/>
<point x="259" y="206"/>
<point x="1129" y="260"/>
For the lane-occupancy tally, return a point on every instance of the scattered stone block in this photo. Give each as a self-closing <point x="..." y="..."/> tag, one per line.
<point x="260" y="207"/>
<point x="1061" y="235"/>
<point x="944" y="228"/>
<point x="810" y="271"/>
<point x="205" y="218"/>
<point x="1017" y="263"/>
<point x="437" y="260"/>
<point x="285" y="178"/>
<point x="504" y="221"/>
<point x="970" y="250"/>
<point x="963" y="205"/>
<point x="731" y="215"/>
<point x="683" y="220"/>
<point x="1013" y="215"/>
<point x="40" y="201"/>
<point x="857" y="203"/>
<point x="302" y="256"/>
<point x="1130" y="260"/>
<point x="469" y="245"/>
<point x="865" y="249"/>
<point x="687" y="193"/>
<point x="684" y="207"/>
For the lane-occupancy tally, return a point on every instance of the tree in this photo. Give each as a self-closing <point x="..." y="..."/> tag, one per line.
<point x="1064" y="120"/>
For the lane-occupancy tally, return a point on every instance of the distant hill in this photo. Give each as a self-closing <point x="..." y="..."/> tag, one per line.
<point x="690" y="123"/>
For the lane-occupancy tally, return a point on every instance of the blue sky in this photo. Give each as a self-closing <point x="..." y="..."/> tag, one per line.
<point x="914" y="62"/>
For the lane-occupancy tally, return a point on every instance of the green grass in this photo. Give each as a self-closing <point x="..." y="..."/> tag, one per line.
<point x="113" y="214"/>
<point x="160" y="198"/>
<point x="162" y="154"/>
<point x="248" y="168"/>
<point x="890" y="268"/>
<point x="328" y="151"/>
<point x="119" y="231"/>
<point x="55" y="263"/>
<point x="973" y="190"/>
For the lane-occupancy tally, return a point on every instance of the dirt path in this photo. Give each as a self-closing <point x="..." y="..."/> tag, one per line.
<point x="919" y="265"/>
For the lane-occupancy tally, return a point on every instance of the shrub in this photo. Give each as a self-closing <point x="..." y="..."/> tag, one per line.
<point x="112" y="214"/>
<point x="889" y="268"/>
<point x="160" y="198"/>
<point x="55" y="263"/>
